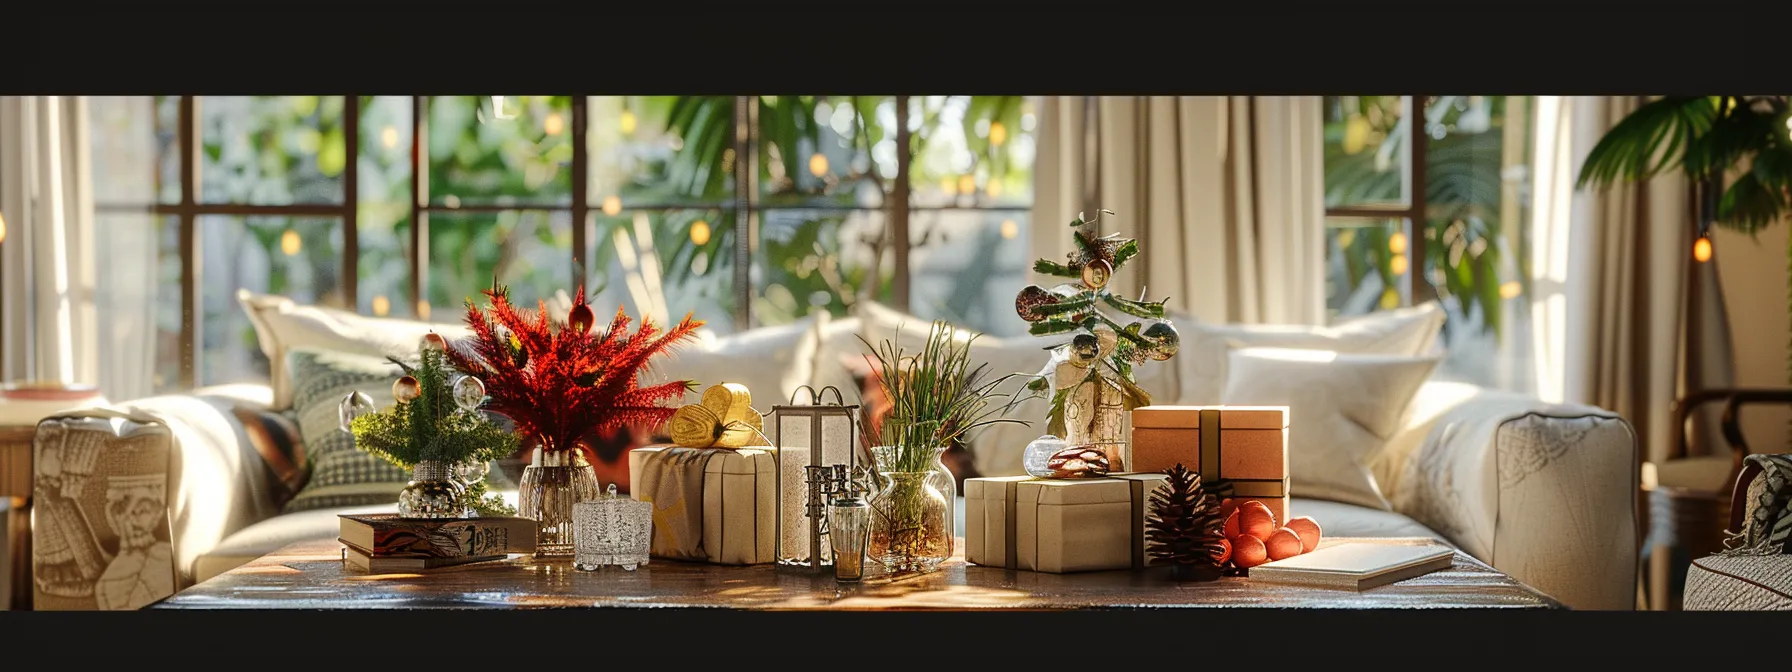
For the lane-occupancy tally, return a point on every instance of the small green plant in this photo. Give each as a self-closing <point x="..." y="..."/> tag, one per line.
<point x="428" y="423"/>
<point x="936" y="397"/>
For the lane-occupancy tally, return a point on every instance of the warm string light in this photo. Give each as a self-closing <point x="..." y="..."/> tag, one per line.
<point x="1511" y="289"/>
<point x="1398" y="265"/>
<point x="612" y="205"/>
<point x="1010" y="230"/>
<point x="818" y="164"/>
<point x="1701" y="249"/>
<point x="949" y="185"/>
<point x="389" y="137"/>
<point x="627" y="122"/>
<point x="553" y="124"/>
<point x="998" y="134"/>
<point x="381" y="306"/>
<point x="2" y="228"/>
<point x="699" y="232"/>
<point x="1397" y="243"/>
<point x="290" y="243"/>
<point x="967" y="184"/>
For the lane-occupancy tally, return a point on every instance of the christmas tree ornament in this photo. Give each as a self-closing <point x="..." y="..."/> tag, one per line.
<point x="1091" y="377"/>
<point x="1185" y="529"/>
<point x="355" y="405"/>
<point x="434" y="341"/>
<point x="580" y="319"/>
<point x="1248" y="551"/>
<point x="469" y="393"/>
<point x="1282" y="543"/>
<point x="1308" y="531"/>
<point x="406" y="389"/>
<point x="1039" y="454"/>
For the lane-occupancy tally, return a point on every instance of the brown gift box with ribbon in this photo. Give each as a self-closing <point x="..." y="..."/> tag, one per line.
<point x="1244" y="446"/>
<point x="1058" y="525"/>
<point x="714" y="505"/>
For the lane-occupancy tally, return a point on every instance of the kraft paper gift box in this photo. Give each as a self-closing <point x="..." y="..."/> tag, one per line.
<point x="1244" y="446"/>
<point x="1058" y="526"/>
<point x="714" y="505"/>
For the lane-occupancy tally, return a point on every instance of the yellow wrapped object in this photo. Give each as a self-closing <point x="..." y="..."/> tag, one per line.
<point x="723" y="417"/>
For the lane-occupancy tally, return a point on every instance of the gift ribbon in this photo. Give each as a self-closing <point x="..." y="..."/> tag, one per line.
<point x="723" y="417"/>
<point x="1212" y="475"/>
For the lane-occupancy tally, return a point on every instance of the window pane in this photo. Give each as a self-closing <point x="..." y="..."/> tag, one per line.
<point x="167" y="125"/>
<point x="1477" y="203"/>
<point x="168" y="304"/>
<point x="818" y="259"/>
<point x="652" y="151"/>
<point x="972" y="151"/>
<point x="271" y="150"/>
<point x="299" y="258"/>
<point x="384" y="215"/>
<point x="123" y="150"/>
<point x="665" y="263"/>
<point x="967" y="267"/>
<point x="500" y="150"/>
<point x="1366" y="261"/>
<point x="818" y="150"/>
<point x="528" y="250"/>
<point x="1365" y="151"/>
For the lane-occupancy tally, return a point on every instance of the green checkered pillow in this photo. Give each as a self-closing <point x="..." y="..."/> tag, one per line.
<point x="341" y="475"/>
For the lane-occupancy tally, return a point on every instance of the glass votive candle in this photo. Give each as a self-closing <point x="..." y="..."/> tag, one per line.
<point x="611" y="530"/>
<point x="849" y="527"/>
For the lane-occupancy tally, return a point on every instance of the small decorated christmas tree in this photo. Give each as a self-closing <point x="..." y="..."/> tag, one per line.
<point x="1091" y="377"/>
<point x="436" y="419"/>
<point x="1185" y="528"/>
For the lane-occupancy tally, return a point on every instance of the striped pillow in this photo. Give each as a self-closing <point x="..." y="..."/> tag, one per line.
<point x="341" y="474"/>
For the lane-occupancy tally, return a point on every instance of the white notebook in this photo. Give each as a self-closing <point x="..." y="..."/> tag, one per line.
<point x="1356" y="565"/>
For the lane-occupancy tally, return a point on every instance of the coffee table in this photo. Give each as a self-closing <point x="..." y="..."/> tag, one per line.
<point x="310" y="575"/>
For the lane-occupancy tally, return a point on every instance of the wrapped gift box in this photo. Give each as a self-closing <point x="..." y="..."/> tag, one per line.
<point x="714" y="505"/>
<point x="1058" y="526"/>
<point x="1245" y="446"/>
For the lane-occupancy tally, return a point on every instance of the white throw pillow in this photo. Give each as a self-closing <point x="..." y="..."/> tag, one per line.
<point x="1202" y="360"/>
<point x="281" y="326"/>
<point x="771" y="361"/>
<point x="1341" y="408"/>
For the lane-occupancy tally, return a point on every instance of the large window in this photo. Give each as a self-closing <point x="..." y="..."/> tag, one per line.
<point x="1434" y="205"/>
<point x="745" y="210"/>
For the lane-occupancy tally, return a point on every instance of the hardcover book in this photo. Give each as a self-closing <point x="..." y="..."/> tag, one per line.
<point x="387" y="535"/>
<point x="1356" y="565"/>
<point x="354" y="559"/>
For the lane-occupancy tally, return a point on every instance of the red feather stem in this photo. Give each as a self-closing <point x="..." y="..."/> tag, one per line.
<point x="563" y="388"/>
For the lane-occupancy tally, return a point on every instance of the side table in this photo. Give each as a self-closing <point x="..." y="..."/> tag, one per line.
<point x="15" y="516"/>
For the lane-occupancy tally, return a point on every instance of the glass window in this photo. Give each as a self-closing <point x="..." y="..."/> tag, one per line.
<point x="295" y="257"/>
<point x="511" y="151"/>
<point x="271" y="150"/>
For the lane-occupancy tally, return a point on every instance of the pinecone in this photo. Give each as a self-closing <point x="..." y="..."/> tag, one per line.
<point x="1184" y="528"/>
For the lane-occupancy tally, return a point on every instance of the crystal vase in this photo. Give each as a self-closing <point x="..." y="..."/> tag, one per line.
<point x="433" y="492"/>
<point x="911" y="514"/>
<point x="552" y="483"/>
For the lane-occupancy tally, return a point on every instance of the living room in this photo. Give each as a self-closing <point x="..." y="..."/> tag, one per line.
<point x="1100" y="352"/>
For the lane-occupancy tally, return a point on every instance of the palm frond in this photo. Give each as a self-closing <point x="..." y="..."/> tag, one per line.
<point x="1647" y="141"/>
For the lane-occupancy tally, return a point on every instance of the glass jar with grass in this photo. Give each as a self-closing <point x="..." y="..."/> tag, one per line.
<point x="935" y="398"/>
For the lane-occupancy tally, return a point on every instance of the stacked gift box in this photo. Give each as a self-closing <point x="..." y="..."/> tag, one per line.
<point x="1088" y="524"/>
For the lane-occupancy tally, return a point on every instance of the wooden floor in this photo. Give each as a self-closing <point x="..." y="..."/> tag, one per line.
<point x="311" y="575"/>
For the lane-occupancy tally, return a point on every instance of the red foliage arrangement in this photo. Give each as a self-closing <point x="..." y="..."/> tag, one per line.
<point x="560" y="382"/>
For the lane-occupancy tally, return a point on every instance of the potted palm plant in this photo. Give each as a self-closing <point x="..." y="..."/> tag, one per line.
<point x="1735" y="149"/>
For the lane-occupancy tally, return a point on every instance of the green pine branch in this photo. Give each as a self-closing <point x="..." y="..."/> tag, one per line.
<point x="1145" y="309"/>
<point x="1055" y="269"/>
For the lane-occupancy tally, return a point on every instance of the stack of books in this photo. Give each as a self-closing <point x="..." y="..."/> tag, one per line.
<point x="384" y="542"/>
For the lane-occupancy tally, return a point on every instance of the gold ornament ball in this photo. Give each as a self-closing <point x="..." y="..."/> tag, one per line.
<point x="1096" y="273"/>
<point x="434" y="341"/>
<point x="406" y="389"/>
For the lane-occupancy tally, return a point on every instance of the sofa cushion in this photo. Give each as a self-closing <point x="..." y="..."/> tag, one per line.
<point x="282" y="325"/>
<point x="1337" y="519"/>
<point x="1341" y="409"/>
<point x="1201" y="363"/>
<point x="1739" y="583"/>
<point x="341" y="474"/>
<point x="771" y="361"/>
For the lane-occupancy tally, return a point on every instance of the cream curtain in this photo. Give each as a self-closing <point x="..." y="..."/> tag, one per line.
<point x="66" y="316"/>
<point x="1225" y="194"/>
<point x="1618" y="296"/>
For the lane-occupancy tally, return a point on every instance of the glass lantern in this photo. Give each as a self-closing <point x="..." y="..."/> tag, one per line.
<point x="816" y="444"/>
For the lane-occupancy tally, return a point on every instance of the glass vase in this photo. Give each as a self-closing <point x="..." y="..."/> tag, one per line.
<point x="912" y="512"/>
<point x="552" y="483"/>
<point x="433" y="492"/>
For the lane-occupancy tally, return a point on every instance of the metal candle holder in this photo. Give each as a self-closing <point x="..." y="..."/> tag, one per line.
<point x="816" y="444"/>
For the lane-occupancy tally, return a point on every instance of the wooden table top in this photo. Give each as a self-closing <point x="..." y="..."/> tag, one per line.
<point x="311" y="575"/>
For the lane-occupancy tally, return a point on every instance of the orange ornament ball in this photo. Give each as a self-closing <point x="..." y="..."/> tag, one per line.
<point x="407" y="389"/>
<point x="1232" y="529"/>
<point x="1248" y="551"/>
<point x="1308" y="530"/>
<point x="1283" y="543"/>
<point x="1226" y="554"/>
<point x="1255" y="519"/>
